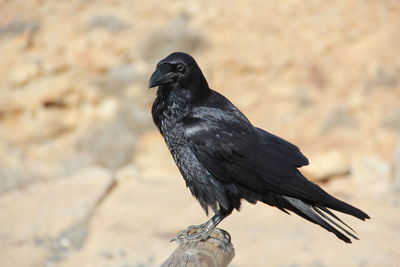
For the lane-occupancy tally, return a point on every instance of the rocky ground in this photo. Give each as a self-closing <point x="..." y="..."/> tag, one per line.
<point x="86" y="180"/>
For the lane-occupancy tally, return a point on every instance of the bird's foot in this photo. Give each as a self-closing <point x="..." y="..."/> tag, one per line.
<point x="194" y="233"/>
<point x="197" y="233"/>
<point x="220" y="238"/>
<point x="224" y="236"/>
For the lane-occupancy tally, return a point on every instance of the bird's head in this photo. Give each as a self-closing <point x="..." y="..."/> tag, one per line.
<point x="178" y="69"/>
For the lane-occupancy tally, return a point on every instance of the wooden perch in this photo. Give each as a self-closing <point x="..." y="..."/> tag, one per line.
<point x="205" y="254"/>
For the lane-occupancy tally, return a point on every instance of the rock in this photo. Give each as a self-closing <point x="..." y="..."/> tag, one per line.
<point x="53" y="64"/>
<point x="397" y="166"/>
<point x="130" y="221"/>
<point x="111" y="143"/>
<point x="370" y="168"/>
<point x="47" y="107"/>
<point x="17" y="27"/>
<point x="118" y="78"/>
<point x="382" y="77"/>
<point x="392" y="120"/>
<point x="36" y="94"/>
<point x="108" y="108"/>
<point x="36" y="215"/>
<point x="151" y="148"/>
<point x="23" y="255"/>
<point x="107" y="22"/>
<point x="339" y="117"/>
<point x="24" y="71"/>
<point x="175" y="36"/>
<point x="327" y="165"/>
<point x="124" y="75"/>
<point x="17" y="173"/>
<point x="108" y="144"/>
<point x="48" y="213"/>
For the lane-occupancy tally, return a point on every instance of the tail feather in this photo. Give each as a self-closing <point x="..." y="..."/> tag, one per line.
<point x="335" y="223"/>
<point x="315" y="195"/>
<point x="316" y="215"/>
<point x="335" y="217"/>
<point x="341" y="206"/>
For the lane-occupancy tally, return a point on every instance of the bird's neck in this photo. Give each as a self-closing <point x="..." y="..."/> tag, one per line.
<point x="170" y="104"/>
<point x="198" y="85"/>
<point x="173" y="103"/>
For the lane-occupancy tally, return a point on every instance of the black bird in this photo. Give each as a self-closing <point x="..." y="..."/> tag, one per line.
<point x="224" y="158"/>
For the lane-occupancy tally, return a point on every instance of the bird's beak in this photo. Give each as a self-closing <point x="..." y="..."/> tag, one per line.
<point x="159" y="78"/>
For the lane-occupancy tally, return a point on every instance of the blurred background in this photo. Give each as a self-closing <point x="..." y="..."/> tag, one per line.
<point x="85" y="178"/>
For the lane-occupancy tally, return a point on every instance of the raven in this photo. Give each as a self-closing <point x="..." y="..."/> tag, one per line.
<point x="224" y="158"/>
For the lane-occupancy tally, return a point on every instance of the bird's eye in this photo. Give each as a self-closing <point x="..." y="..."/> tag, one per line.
<point x="180" y="67"/>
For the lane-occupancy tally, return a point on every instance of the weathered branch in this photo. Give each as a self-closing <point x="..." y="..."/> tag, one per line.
<point x="205" y="253"/>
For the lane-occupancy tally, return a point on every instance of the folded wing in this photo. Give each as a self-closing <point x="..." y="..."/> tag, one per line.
<point x="235" y="152"/>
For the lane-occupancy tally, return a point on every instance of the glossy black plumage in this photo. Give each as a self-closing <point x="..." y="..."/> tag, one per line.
<point x="224" y="158"/>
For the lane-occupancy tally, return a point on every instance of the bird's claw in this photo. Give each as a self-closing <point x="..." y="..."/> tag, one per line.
<point x="226" y="237"/>
<point x="197" y="233"/>
<point x="222" y="239"/>
<point x="193" y="233"/>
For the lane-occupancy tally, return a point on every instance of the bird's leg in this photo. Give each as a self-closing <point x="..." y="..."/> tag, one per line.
<point x="201" y="232"/>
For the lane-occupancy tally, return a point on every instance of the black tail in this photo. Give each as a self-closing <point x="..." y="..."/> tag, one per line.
<point x="341" y="206"/>
<point x="319" y="213"/>
<point x="316" y="196"/>
<point x="322" y="216"/>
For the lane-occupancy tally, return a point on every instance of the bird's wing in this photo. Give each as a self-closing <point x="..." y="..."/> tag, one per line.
<point x="235" y="151"/>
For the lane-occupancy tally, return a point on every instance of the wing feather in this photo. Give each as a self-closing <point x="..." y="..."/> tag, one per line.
<point x="234" y="151"/>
